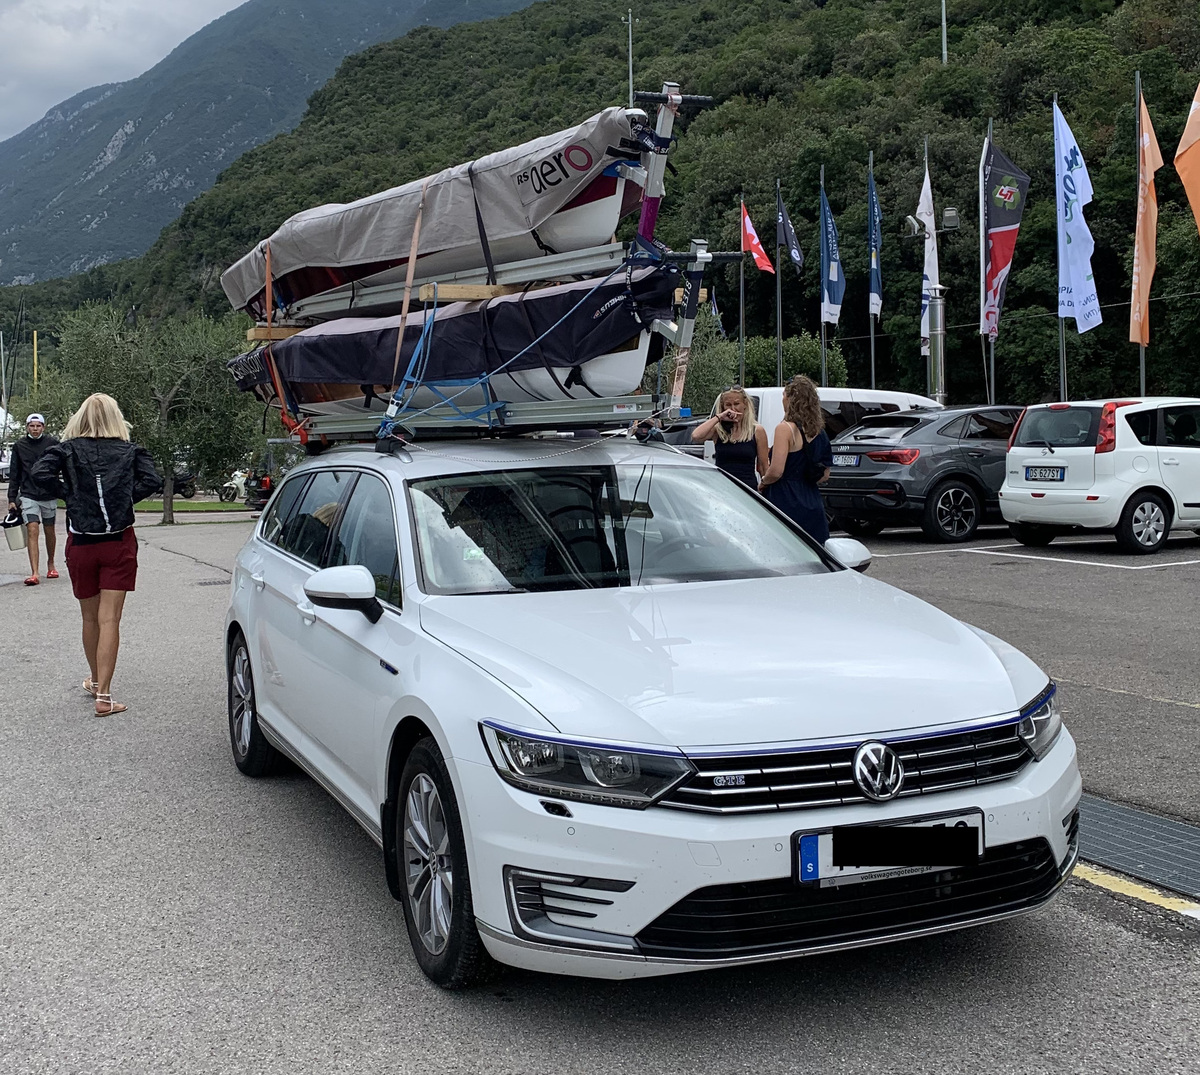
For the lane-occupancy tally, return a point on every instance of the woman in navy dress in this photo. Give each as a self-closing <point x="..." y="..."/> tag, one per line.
<point x="741" y="443"/>
<point x="800" y="460"/>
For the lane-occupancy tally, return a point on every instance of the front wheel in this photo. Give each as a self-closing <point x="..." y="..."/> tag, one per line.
<point x="1033" y="535"/>
<point x="252" y="754"/>
<point x="435" y="887"/>
<point x="952" y="512"/>
<point x="1145" y="524"/>
<point x="187" y="490"/>
<point x="226" y="496"/>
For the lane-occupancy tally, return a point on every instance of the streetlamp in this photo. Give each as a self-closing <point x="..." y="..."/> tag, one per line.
<point x="629" y="20"/>
<point x="937" y="305"/>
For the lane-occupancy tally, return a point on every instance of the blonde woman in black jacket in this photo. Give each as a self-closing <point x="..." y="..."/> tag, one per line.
<point x="103" y="476"/>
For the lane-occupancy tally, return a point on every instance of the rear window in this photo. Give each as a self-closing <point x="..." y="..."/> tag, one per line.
<point x="881" y="427"/>
<point x="1059" y="427"/>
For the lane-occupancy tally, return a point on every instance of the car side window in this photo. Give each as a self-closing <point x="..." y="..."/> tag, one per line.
<point x="954" y="429"/>
<point x="282" y="508"/>
<point x="1142" y="424"/>
<point x="367" y="536"/>
<point x="989" y="425"/>
<point x="1181" y="427"/>
<point x="307" y="532"/>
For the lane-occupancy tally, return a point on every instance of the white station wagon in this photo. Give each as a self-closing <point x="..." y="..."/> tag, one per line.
<point x="607" y="713"/>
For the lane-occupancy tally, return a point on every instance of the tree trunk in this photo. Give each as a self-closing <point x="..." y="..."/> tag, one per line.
<point x="168" y="495"/>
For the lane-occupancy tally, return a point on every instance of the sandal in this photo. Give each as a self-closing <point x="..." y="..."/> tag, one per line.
<point x="32" y="580"/>
<point x="111" y="707"/>
<point x="52" y="574"/>
<point x="89" y="687"/>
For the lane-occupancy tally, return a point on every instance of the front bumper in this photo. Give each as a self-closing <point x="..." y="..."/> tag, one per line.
<point x="600" y="893"/>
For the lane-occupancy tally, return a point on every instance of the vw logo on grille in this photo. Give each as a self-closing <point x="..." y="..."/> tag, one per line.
<point x="878" y="771"/>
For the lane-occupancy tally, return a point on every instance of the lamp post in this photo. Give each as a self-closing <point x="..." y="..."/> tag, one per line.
<point x="944" y="59"/>
<point x="629" y="20"/>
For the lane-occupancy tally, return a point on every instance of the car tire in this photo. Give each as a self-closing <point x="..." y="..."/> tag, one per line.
<point x="252" y="754"/>
<point x="1145" y="523"/>
<point x="1033" y="535"/>
<point x="952" y="512"/>
<point x="859" y="527"/>
<point x="432" y="859"/>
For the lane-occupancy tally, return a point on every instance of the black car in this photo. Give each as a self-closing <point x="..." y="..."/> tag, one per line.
<point x="940" y="470"/>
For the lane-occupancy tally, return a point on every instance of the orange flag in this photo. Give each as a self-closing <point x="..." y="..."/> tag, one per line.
<point x="750" y="241"/>
<point x="1187" y="157"/>
<point x="1144" y="261"/>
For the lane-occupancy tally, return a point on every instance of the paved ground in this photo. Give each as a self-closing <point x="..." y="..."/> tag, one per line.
<point x="161" y="913"/>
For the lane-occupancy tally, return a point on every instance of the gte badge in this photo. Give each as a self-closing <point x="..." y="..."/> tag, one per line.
<point x="563" y="164"/>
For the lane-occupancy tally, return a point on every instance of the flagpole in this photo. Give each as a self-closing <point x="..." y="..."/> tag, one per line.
<point x="871" y="233"/>
<point x="990" y="371"/>
<point x="1062" y="335"/>
<point x="778" y="296"/>
<point x="1137" y="120"/>
<point x="821" y="294"/>
<point x="742" y="297"/>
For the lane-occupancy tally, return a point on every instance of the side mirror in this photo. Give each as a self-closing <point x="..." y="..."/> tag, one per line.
<point x="848" y="552"/>
<point x="351" y="586"/>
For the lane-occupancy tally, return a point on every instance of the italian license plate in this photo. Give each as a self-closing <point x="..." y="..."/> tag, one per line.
<point x="845" y="460"/>
<point x="1044" y="474"/>
<point x="854" y="853"/>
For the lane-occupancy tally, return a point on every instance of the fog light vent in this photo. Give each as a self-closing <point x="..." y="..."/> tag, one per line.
<point x="555" y="908"/>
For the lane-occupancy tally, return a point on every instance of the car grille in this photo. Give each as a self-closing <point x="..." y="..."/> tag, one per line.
<point x="780" y="914"/>
<point x="791" y="781"/>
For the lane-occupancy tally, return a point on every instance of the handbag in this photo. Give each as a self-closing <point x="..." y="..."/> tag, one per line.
<point x="16" y="533"/>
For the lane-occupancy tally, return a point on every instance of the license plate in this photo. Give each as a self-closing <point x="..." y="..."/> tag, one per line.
<point x="1044" y="474"/>
<point x="900" y="850"/>
<point x="845" y="460"/>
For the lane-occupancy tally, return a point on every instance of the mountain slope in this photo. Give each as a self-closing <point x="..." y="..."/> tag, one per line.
<point x="98" y="177"/>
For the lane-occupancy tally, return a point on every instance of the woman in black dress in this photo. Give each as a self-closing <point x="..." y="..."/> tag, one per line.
<point x="800" y="459"/>
<point x="741" y="443"/>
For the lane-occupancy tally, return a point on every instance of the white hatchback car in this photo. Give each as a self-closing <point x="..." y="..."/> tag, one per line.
<point x="607" y="713"/>
<point x="1131" y="466"/>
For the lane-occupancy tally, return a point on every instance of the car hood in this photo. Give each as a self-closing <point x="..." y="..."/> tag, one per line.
<point x="830" y="656"/>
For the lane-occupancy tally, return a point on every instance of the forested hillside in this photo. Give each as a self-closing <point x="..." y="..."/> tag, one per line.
<point x="97" y="178"/>
<point x="797" y="86"/>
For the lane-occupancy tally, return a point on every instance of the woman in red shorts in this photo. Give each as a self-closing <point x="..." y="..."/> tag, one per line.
<point x="103" y="476"/>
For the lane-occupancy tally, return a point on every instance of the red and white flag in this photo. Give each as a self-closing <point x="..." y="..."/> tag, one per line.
<point x="751" y="242"/>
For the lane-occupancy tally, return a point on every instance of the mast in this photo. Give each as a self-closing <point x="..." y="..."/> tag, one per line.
<point x="1137" y="120"/>
<point x="778" y="292"/>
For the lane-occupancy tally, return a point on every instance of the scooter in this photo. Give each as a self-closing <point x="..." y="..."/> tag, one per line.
<point x="185" y="485"/>
<point x="235" y="488"/>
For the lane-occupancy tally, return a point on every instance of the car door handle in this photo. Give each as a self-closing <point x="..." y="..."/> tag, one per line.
<point x="976" y="452"/>
<point x="307" y="612"/>
<point x="1170" y="462"/>
<point x="259" y="581"/>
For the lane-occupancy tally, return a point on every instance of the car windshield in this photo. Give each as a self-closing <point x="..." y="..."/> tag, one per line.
<point x="560" y="528"/>
<point x="1059" y="427"/>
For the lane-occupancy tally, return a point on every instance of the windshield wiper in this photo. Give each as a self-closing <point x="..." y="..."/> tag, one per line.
<point x="1039" y="444"/>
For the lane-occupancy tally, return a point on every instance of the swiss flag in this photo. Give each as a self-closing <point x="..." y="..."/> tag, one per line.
<point x="751" y="242"/>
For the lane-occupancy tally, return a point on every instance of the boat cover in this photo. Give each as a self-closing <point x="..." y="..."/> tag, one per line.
<point x="469" y="339"/>
<point x="515" y="191"/>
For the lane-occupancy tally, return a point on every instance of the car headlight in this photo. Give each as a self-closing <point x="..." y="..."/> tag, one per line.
<point x="1041" y="721"/>
<point x="583" y="772"/>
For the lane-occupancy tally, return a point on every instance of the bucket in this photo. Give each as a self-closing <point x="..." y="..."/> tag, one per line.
<point x="15" y="532"/>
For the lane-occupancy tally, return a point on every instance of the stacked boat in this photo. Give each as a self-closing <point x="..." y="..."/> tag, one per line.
<point x="496" y="279"/>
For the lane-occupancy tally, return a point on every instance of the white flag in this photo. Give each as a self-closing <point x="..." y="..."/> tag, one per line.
<point x="1073" y="189"/>
<point x="931" y="279"/>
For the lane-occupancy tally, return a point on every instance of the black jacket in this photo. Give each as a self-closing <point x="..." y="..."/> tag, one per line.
<point x="25" y="456"/>
<point x="102" y="479"/>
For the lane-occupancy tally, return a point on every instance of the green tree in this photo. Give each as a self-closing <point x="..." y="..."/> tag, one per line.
<point x="171" y="382"/>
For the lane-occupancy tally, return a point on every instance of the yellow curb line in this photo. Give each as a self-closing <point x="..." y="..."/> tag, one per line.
<point x="1116" y="883"/>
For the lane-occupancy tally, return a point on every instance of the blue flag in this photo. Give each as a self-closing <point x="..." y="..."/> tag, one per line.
<point x="833" y="283"/>
<point x="874" y="241"/>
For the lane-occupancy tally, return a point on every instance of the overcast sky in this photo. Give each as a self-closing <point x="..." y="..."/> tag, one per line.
<point x="52" y="49"/>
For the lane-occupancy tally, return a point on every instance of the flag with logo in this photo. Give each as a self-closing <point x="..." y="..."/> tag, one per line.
<point x="751" y="243"/>
<point x="1073" y="190"/>
<point x="874" y="241"/>
<point x="1003" y="188"/>
<point x="931" y="277"/>
<point x="785" y="234"/>
<point x="833" y="283"/>
<point x="1145" y="240"/>
<point x="1187" y="157"/>
<point x="712" y="305"/>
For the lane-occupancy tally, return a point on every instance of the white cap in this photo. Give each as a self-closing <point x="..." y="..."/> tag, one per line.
<point x="35" y="417"/>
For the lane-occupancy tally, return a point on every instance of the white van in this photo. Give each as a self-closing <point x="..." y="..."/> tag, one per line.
<point x="843" y="407"/>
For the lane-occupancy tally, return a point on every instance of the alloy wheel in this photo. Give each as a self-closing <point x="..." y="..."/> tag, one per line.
<point x="243" y="701"/>
<point x="428" y="868"/>
<point x="1148" y="523"/>
<point x="955" y="512"/>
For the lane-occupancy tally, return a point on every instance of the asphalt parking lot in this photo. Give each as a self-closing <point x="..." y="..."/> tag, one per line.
<point x="160" y="912"/>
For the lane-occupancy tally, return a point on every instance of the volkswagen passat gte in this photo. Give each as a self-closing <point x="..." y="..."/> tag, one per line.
<point x="608" y="714"/>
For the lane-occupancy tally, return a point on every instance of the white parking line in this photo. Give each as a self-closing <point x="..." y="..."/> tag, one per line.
<point x="934" y="552"/>
<point x="1085" y="563"/>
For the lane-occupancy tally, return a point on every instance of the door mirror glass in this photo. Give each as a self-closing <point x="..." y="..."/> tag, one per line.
<point x="849" y="553"/>
<point x="350" y="587"/>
